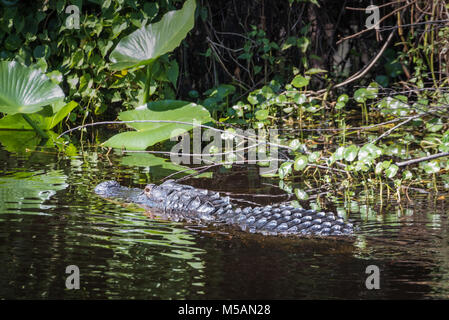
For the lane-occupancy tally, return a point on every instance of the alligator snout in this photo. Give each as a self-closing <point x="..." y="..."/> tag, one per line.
<point x="106" y="186"/>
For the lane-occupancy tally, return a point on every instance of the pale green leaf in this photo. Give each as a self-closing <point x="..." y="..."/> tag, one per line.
<point x="25" y="90"/>
<point x="148" y="43"/>
<point x="150" y="133"/>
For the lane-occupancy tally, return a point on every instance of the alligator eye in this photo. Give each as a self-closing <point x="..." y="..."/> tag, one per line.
<point x="147" y="189"/>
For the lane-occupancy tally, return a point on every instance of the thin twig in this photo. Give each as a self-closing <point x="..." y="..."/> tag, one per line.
<point x="388" y="132"/>
<point x="413" y="161"/>
<point x="369" y="66"/>
<point x="172" y="121"/>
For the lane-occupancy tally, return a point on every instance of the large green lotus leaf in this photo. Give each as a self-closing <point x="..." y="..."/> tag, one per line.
<point x="25" y="90"/>
<point x="164" y="105"/>
<point x="148" y="43"/>
<point x="181" y="111"/>
<point x="149" y="133"/>
<point x="44" y="120"/>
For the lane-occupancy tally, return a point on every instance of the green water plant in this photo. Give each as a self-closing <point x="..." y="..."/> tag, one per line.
<point x="145" y="45"/>
<point x="142" y="49"/>
<point x="165" y="119"/>
<point x="25" y="91"/>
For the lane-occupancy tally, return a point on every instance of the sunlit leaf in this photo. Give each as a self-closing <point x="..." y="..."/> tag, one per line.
<point x="45" y="121"/>
<point x="25" y="90"/>
<point x="351" y="152"/>
<point x="299" y="81"/>
<point x="407" y="175"/>
<point x="300" y="162"/>
<point x="391" y="171"/>
<point x="150" y="133"/>
<point x="379" y="168"/>
<point x="314" y="156"/>
<point x="285" y="169"/>
<point x="148" y="43"/>
<point x="431" y="167"/>
<point x="301" y="194"/>
<point x="261" y="114"/>
<point x="361" y="95"/>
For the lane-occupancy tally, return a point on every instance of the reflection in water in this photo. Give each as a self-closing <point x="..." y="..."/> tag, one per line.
<point x="50" y="218"/>
<point x="27" y="191"/>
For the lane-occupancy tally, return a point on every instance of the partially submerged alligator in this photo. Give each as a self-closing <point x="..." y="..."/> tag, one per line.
<point x="182" y="202"/>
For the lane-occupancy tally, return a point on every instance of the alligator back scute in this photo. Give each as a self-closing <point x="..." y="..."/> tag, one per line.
<point x="288" y="220"/>
<point x="279" y="219"/>
<point x="186" y="201"/>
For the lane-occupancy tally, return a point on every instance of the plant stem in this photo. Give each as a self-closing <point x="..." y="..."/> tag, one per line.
<point x="146" y="91"/>
<point x="34" y="126"/>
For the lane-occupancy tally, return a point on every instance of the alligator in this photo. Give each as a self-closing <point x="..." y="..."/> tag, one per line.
<point x="179" y="202"/>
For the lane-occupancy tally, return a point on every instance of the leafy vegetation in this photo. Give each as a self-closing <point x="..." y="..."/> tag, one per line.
<point x="350" y="112"/>
<point x="144" y="46"/>
<point x="26" y="90"/>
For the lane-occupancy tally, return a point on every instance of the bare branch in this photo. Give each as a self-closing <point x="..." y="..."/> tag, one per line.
<point x="413" y="161"/>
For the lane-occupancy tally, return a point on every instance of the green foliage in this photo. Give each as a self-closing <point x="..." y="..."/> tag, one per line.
<point x="25" y="90"/>
<point x="146" y="44"/>
<point x="357" y="157"/>
<point x="301" y="162"/>
<point x="299" y="81"/>
<point x="259" y="45"/>
<point x="396" y="105"/>
<point x="217" y="99"/>
<point x="142" y="48"/>
<point x="148" y="133"/>
<point x="36" y="33"/>
<point x="145" y="33"/>
<point x="46" y="119"/>
<point x="444" y="146"/>
<point x="22" y="142"/>
<point x="285" y="169"/>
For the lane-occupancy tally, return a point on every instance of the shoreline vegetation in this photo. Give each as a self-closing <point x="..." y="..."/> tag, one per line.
<point x="359" y="95"/>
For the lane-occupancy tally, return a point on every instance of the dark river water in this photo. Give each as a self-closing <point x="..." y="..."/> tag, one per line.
<point x="50" y="219"/>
